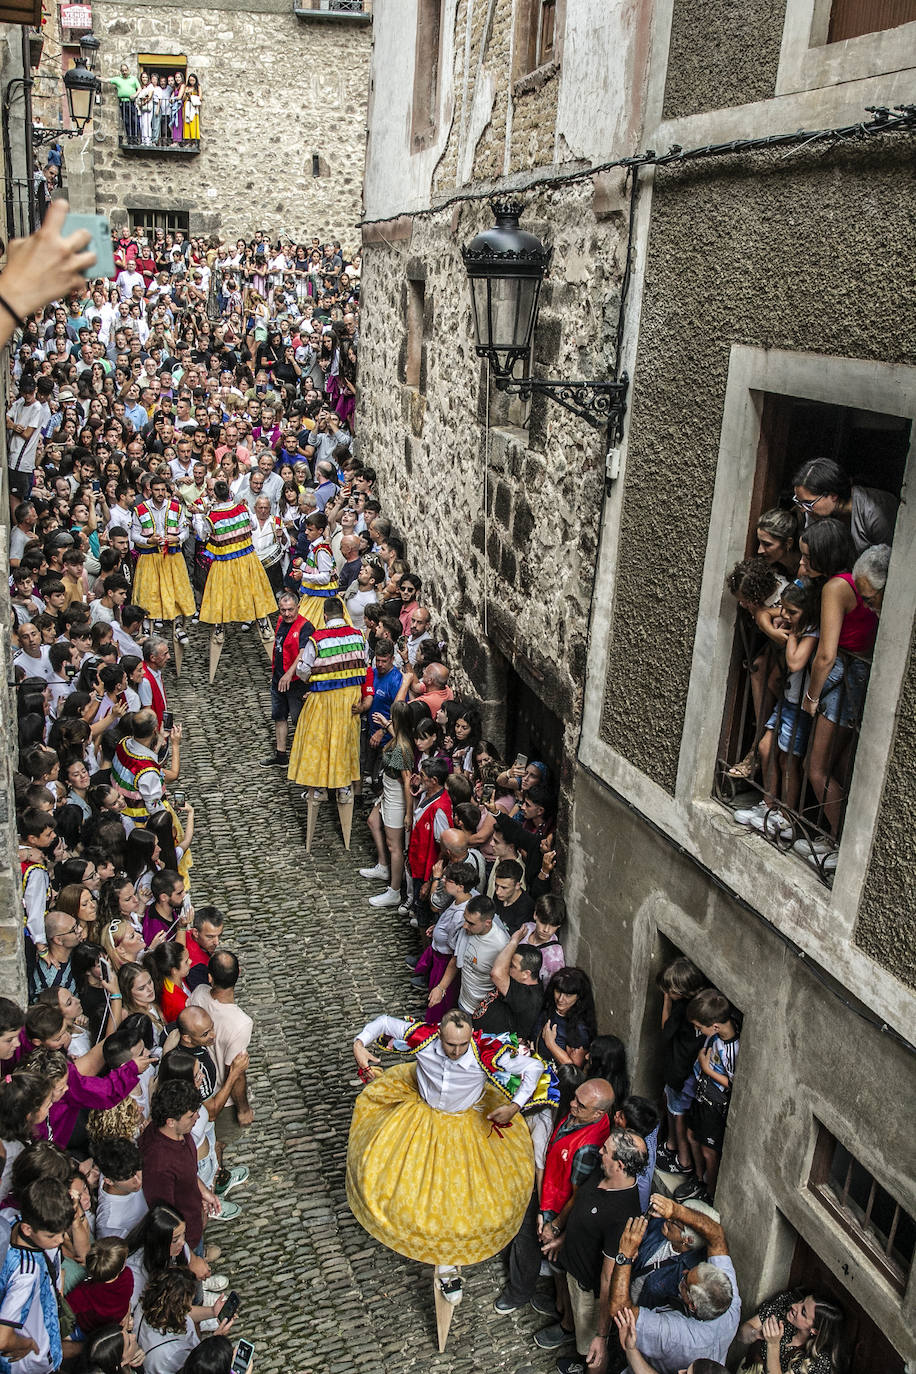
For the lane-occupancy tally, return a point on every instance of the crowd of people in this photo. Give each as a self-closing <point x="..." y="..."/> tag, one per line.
<point x="140" y="425"/>
<point x="158" y="109"/>
<point x="810" y="599"/>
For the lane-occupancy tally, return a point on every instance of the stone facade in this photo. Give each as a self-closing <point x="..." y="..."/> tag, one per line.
<point x="277" y="89"/>
<point x="499" y="501"/>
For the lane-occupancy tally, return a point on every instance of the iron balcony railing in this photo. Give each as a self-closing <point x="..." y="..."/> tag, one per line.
<point x="790" y="802"/>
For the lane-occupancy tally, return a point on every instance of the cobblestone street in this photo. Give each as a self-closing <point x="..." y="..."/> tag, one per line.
<point x="318" y="1295"/>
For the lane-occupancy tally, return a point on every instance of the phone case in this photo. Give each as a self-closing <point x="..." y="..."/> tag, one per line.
<point x="100" y="243"/>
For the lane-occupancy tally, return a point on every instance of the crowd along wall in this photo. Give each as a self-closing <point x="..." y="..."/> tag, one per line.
<point x="278" y="91"/>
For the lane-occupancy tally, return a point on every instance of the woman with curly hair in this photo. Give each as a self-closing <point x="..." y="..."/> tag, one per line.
<point x="166" y="1329"/>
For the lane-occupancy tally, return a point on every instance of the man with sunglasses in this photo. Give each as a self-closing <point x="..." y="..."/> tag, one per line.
<point x="51" y="968"/>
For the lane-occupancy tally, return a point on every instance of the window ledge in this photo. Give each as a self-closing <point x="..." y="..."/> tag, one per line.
<point x="346" y="16"/>
<point x="533" y="81"/>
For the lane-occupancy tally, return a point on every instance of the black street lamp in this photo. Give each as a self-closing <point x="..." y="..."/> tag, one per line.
<point x="80" y="85"/>
<point x="506" y="266"/>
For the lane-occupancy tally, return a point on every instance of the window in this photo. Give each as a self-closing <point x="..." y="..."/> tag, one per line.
<point x="146" y="222"/>
<point x="425" y="107"/>
<point x="872" y="448"/>
<point x="539" y="28"/>
<point x="867" y="1212"/>
<point x="414" y="370"/>
<point x="853" y="18"/>
<point x="161" y="64"/>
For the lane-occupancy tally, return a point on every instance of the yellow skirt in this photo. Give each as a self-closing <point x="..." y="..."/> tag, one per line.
<point x="162" y="586"/>
<point x="236" y="590"/>
<point x="312" y="607"/>
<point x="439" y="1187"/>
<point x="325" y="750"/>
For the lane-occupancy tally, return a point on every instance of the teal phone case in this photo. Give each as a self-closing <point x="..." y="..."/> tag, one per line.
<point x="100" y="230"/>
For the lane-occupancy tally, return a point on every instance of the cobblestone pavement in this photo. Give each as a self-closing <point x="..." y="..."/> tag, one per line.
<point x="318" y="1295"/>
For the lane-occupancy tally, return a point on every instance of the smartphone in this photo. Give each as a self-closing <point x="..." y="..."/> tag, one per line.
<point x="241" y="1360"/>
<point x="105" y="970"/>
<point x="229" y="1307"/>
<point x="489" y="791"/>
<point x="521" y="761"/>
<point x="100" y="242"/>
<point x="179" y="797"/>
<point x="168" y="720"/>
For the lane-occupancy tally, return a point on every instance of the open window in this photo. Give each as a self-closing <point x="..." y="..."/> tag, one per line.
<point x="872" y="449"/>
<point x="146" y="222"/>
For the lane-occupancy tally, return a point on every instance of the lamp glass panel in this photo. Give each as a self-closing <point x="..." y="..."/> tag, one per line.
<point x="80" y="98"/>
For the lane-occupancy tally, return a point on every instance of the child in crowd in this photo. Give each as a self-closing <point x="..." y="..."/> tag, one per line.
<point x="785" y="740"/>
<point x="121" y="1204"/>
<point x="712" y="1015"/>
<point x="679" y="982"/>
<point x="105" y="1294"/>
<point x="543" y="933"/>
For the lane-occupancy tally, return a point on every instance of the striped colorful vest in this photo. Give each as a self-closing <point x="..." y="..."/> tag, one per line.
<point x="331" y="588"/>
<point x="148" y="525"/>
<point x="491" y="1052"/>
<point x="341" y="660"/>
<point x="126" y="769"/>
<point x="231" y="537"/>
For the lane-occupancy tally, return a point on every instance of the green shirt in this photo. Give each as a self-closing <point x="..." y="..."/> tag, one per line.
<point x="126" y="86"/>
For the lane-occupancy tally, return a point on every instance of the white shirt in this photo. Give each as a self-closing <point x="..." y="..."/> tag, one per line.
<point x="22" y="451"/>
<point x="126" y="645"/>
<point x="35" y="667"/>
<point x="475" y="956"/>
<point x="453" y="1085"/>
<point x="116" y="1214"/>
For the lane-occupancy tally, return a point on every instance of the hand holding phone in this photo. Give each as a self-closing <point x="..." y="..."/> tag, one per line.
<point x="241" y="1360"/>
<point x="229" y="1308"/>
<point x="99" y="242"/>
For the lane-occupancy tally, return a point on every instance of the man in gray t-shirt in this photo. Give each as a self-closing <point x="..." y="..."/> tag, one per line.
<point x="479" y="941"/>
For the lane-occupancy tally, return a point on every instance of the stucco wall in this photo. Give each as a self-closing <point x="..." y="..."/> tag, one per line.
<point x="722" y="54"/>
<point x="886" y="929"/>
<point x="518" y="566"/>
<point x="276" y="89"/>
<point x="803" y="1054"/>
<point x="717" y="232"/>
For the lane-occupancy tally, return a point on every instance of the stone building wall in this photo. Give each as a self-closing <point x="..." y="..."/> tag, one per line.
<point x="502" y="521"/>
<point x="276" y="89"/>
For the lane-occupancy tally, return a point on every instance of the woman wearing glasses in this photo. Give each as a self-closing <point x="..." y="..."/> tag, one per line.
<point x="824" y="491"/>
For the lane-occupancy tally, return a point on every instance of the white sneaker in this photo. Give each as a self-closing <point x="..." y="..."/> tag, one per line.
<point x="773" y="823"/>
<point x="747" y="814"/>
<point x="820" y="847"/>
<point x="379" y="871"/>
<point x="216" y="1283"/>
<point x="344" y="795"/>
<point x="389" y="897"/>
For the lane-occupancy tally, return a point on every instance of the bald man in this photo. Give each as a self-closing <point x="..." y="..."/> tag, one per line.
<point x="454" y="848"/>
<point x="573" y="1154"/>
<point x="197" y="1035"/>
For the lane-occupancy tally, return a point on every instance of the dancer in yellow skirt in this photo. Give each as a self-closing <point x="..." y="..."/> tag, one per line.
<point x="318" y="572"/>
<point x="437" y="1168"/>
<point x="325" y="750"/>
<point x="161" y="583"/>
<point x="237" y="589"/>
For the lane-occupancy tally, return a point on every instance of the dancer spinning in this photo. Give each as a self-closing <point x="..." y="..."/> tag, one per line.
<point x="237" y="589"/>
<point x="161" y="582"/>
<point x="437" y="1169"/>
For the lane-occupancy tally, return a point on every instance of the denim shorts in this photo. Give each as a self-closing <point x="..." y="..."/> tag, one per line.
<point x="794" y="727"/>
<point x="680" y="1100"/>
<point x="287" y="705"/>
<point x="843" y="694"/>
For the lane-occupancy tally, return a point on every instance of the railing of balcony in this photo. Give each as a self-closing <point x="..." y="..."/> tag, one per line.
<point x="769" y="774"/>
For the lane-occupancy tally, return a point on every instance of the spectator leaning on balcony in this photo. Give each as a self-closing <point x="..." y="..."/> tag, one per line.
<point x="127" y="87"/>
<point x="824" y="491"/>
<point x="870" y="574"/>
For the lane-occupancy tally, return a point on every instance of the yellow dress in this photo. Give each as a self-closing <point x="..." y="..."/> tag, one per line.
<point x="237" y="588"/>
<point x="162" y="586"/>
<point x="325" y="750"/>
<point x="439" y="1187"/>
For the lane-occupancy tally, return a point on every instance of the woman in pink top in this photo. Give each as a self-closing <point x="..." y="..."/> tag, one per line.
<point x="838" y="683"/>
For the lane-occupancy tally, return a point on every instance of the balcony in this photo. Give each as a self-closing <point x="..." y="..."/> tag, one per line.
<point x="351" y="11"/>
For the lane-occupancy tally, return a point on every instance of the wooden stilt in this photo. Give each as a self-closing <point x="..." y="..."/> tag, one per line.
<point x="267" y="639"/>
<point x="310" y="819"/>
<point x="345" y="812"/>
<point x="217" y="639"/>
<point x="445" y="1310"/>
<point x="177" y="649"/>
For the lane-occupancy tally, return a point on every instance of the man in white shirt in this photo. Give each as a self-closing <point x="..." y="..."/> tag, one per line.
<point x="22" y="428"/>
<point x="476" y="948"/>
<point x="233" y="1026"/>
<point x="437" y="1169"/>
<point x="33" y="656"/>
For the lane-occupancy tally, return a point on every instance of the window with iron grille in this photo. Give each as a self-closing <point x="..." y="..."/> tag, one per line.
<point x="146" y="222"/>
<point x="880" y="1227"/>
